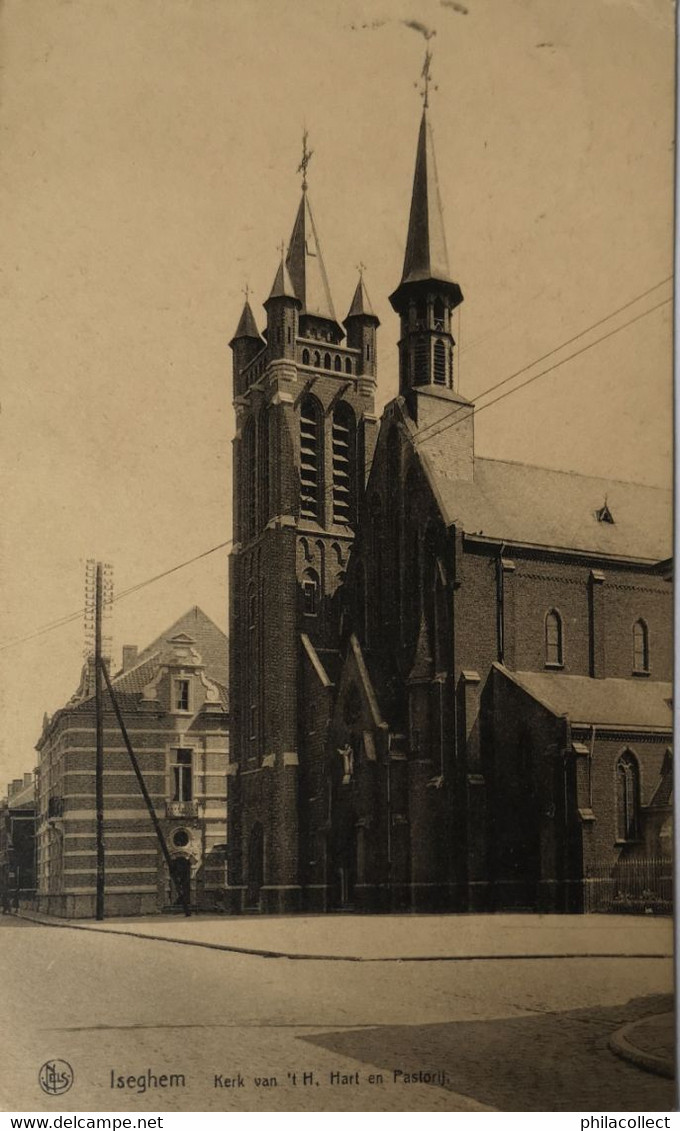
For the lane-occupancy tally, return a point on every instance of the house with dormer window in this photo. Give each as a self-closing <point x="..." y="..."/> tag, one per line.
<point x="173" y="698"/>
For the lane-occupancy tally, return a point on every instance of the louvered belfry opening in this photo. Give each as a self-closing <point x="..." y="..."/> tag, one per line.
<point x="343" y="427"/>
<point x="310" y="480"/>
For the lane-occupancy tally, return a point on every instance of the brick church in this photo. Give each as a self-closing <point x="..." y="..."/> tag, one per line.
<point x="449" y="675"/>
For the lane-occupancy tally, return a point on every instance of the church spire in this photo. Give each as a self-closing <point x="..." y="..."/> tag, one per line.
<point x="427" y="294"/>
<point x="305" y="261"/>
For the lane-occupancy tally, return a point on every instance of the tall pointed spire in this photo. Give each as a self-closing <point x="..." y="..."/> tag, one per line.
<point x="304" y="260"/>
<point x="427" y="295"/>
<point x="426" y="254"/>
<point x="306" y="266"/>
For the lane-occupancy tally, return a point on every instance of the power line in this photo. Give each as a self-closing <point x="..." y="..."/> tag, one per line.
<point x="434" y="429"/>
<point x="542" y="373"/>
<point x="550" y="353"/>
<point x="71" y="617"/>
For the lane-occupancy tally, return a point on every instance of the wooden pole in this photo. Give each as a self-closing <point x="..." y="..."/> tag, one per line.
<point x="99" y="758"/>
<point x="184" y="895"/>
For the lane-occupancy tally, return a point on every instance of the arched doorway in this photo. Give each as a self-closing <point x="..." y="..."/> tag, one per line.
<point x="255" y="865"/>
<point x="180" y="888"/>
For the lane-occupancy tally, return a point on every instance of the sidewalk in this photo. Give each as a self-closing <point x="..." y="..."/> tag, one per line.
<point x="649" y="1043"/>
<point x="391" y="938"/>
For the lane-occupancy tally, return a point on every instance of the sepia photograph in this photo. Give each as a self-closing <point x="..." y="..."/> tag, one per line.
<point x="336" y="766"/>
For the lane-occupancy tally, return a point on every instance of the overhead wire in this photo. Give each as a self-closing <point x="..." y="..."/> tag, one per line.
<point x="556" y="349"/>
<point x="515" y="389"/>
<point x="427" y="433"/>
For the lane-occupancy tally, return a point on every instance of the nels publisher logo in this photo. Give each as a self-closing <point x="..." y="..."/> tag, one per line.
<point x="55" y="1077"/>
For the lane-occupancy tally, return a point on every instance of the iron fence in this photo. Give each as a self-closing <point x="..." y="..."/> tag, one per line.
<point x="638" y="886"/>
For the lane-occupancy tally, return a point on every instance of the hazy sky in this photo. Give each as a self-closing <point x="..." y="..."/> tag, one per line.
<point x="148" y="170"/>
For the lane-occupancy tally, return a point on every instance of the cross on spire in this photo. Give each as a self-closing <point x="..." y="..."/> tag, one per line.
<point x="361" y="267"/>
<point x="246" y="291"/>
<point x="426" y="78"/>
<point x="282" y="248"/>
<point x="307" y="155"/>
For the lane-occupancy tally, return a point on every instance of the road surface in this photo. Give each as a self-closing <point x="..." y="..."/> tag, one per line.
<point x="190" y="1029"/>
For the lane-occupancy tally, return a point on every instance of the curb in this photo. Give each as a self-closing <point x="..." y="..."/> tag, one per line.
<point x="621" y="1044"/>
<point x="266" y="953"/>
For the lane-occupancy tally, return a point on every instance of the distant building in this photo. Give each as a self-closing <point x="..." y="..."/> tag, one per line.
<point x="450" y="675"/>
<point x="17" y="838"/>
<point x="174" y="703"/>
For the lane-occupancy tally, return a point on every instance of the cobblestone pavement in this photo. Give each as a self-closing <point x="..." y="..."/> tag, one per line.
<point x="516" y="1035"/>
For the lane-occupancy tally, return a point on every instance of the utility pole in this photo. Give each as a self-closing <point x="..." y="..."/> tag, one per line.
<point x="99" y="757"/>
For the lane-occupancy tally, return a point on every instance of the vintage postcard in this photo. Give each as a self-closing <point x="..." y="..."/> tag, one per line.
<point x="337" y="709"/>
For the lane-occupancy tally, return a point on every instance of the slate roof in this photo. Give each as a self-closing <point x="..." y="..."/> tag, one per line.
<point x="630" y="704"/>
<point x="210" y="642"/>
<point x="247" y="326"/>
<point x="306" y="266"/>
<point x="515" y="502"/>
<point x="426" y="254"/>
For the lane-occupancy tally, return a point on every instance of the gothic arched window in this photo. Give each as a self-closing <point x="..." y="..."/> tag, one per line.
<point x="248" y="498"/>
<point x="310" y="593"/>
<point x="440" y="366"/>
<point x="640" y="647"/>
<point x="327" y="361"/>
<point x="317" y="359"/>
<point x="338" y="364"/>
<point x="421" y="354"/>
<point x="554" y="645"/>
<point x="627" y="797"/>
<point x="263" y="466"/>
<point x="311" y="458"/>
<point x="348" y="365"/>
<point x="344" y="445"/>
<point x="439" y="314"/>
<point x="305" y="357"/>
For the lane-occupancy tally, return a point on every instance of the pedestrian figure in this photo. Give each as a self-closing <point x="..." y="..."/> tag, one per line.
<point x="6" y="908"/>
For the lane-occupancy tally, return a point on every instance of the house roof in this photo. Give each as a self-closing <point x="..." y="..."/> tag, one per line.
<point x="515" y="502"/>
<point x="210" y="642"/>
<point x="626" y="703"/>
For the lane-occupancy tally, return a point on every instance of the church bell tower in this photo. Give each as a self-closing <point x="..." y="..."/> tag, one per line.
<point x="305" y="430"/>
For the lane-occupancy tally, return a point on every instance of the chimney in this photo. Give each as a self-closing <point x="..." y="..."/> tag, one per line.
<point x="28" y="780"/>
<point x="129" y="656"/>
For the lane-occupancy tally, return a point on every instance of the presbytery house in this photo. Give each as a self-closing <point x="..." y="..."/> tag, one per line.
<point x="173" y="700"/>
<point x="449" y="675"/>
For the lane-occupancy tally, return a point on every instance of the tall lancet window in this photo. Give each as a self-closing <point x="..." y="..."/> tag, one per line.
<point x="263" y="465"/>
<point x="554" y="650"/>
<point x="640" y="648"/>
<point x="440" y="366"/>
<point x="248" y="499"/>
<point x="311" y="449"/>
<point x="344" y="441"/>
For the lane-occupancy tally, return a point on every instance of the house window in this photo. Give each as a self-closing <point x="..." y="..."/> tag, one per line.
<point x="182" y="776"/>
<point x="553" y="640"/>
<point x="310" y="593"/>
<point x="627" y="797"/>
<point x="640" y="648"/>
<point x="181" y="694"/>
